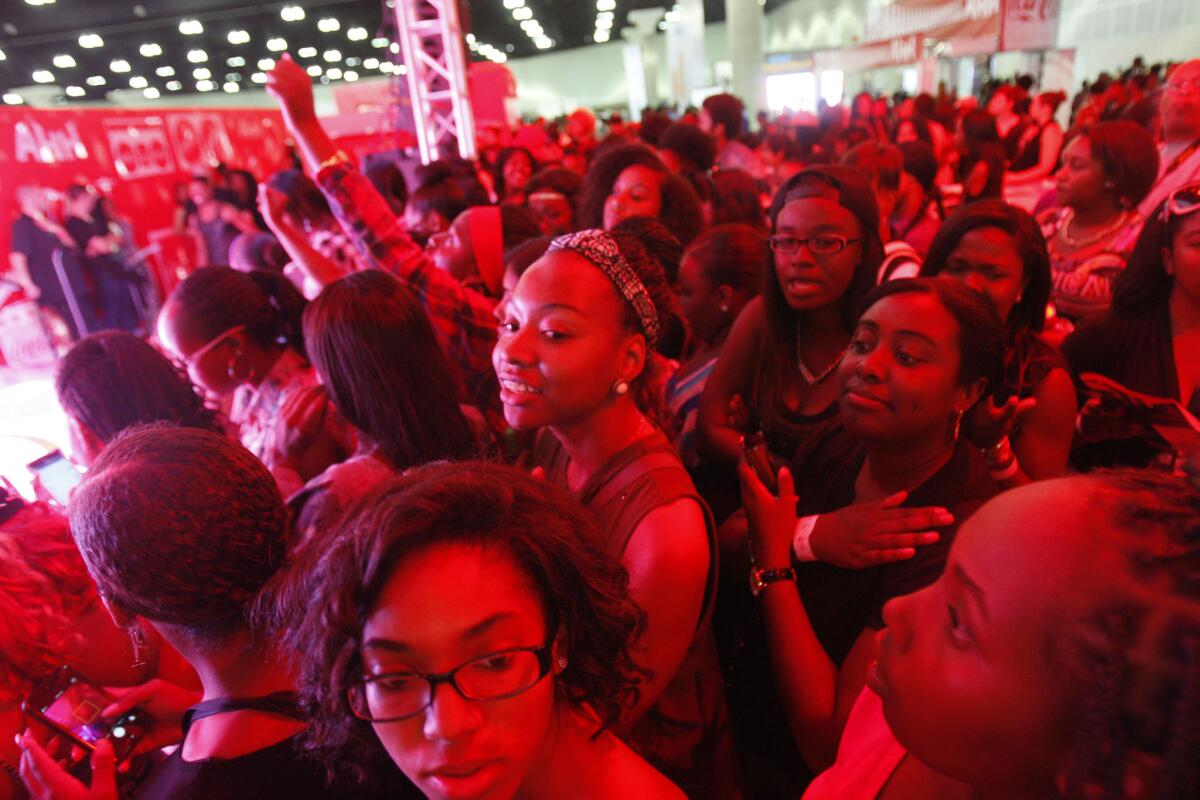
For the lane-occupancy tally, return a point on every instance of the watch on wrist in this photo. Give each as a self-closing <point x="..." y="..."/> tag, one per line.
<point x="760" y="579"/>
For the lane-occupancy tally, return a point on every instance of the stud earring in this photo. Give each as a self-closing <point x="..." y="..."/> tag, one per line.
<point x="562" y="663"/>
<point x="620" y="387"/>
<point x="724" y="308"/>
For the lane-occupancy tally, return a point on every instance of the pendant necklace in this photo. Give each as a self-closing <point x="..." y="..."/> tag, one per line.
<point x="809" y="378"/>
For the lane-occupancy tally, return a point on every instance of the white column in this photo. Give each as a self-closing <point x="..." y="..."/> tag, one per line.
<point x="744" y="27"/>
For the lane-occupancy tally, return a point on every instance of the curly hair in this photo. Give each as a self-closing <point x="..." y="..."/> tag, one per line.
<point x="681" y="212"/>
<point x="44" y="590"/>
<point x="692" y="145"/>
<point x="498" y="168"/>
<point x="731" y="254"/>
<point x="1135" y="656"/>
<point x="180" y="526"/>
<point x="545" y="533"/>
<point x="113" y="380"/>
<point x="736" y="199"/>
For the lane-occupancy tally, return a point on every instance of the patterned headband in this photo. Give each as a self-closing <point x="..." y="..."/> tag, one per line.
<point x="601" y="249"/>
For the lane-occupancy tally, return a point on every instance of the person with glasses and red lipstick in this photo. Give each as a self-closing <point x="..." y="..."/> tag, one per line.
<point x="1150" y="340"/>
<point x="467" y="622"/>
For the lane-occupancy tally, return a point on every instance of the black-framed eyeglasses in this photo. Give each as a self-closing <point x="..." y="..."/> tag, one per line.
<point x="395" y="696"/>
<point x="824" y="245"/>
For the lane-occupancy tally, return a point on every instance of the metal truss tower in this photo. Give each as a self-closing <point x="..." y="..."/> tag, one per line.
<point x="431" y="41"/>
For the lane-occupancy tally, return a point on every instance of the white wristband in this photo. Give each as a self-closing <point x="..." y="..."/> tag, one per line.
<point x="801" y="540"/>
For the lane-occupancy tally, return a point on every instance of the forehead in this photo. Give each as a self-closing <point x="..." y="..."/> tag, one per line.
<point x="1079" y="147"/>
<point x="813" y="212"/>
<point x="987" y="243"/>
<point x="919" y="312"/>
<point x="639" y="173"/>
<point x="565" y="277"/>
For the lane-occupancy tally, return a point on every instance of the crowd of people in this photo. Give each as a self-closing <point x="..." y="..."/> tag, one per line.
<point x="453" y="490"/>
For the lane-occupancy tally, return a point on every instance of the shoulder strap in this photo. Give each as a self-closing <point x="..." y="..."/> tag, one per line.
<point x="283" y="703"/>
<point x="647" y="462"/>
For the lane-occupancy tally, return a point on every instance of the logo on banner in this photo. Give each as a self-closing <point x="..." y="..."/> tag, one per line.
<point x="40" y="144"/>
<point x="1029" y="24"/>
<point x="139" y="148"/>
<point x="200" y="140"/>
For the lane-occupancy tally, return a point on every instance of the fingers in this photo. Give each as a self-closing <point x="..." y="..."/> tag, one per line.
<point x="41" y="773"/>
<point x="538" y="474"/>
<point x="787" y="487"/>
<point x="104" y="769"/>
<point x="895" y="500"/>
<point x="912" y="520"/>
<point x="903" y="541"/>
<point x="876" y="557"/>
<point x="127" y="698"/>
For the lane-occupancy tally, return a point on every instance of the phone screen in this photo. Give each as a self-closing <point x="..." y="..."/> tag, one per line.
<point x="58" y="476"/>
<point x="76" y="708"/>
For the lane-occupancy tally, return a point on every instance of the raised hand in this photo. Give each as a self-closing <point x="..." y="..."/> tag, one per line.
<point x="291" y="86"/>
<point x="868" y="534"/>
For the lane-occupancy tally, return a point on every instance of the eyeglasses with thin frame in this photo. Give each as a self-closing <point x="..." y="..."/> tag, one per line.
<point x="1182" y="202"/>
<point x="190" y="361"/>
<point x="396" y="696"/>
<point x="825" y="244"/>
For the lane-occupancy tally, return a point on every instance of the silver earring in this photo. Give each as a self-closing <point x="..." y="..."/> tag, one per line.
<point x="957" y="423"/>
<point x="137" y="640"/>
<point x="724" y="308"/>
<point x="620" y="387"/>
<point x="562" y="663"/>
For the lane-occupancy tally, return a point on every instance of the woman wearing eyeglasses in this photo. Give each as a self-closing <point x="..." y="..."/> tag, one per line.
<point x="467" y="621"/>
<point x="240" y="334"/>
<point x="1150" y="340"/>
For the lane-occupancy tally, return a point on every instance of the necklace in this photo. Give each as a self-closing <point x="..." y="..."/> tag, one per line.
<point x="809" y="378"/>
<point x="1108" y="230"/>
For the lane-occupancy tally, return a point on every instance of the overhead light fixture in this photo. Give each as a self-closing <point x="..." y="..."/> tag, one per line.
<point x="533" y="27"/>
<point x="75" y="91"/>
<point x="2" y="56"/>
<point x="522" y="13"/>
<point x="174" y="86"/>
<point x="259" y="77"/>
<point x="277" y="45"/>
<point x="333" y="73"/>
<point x="601" y="36"/>
<point x="151" y="93"/>
<point x="119" y="65"/>
<point x="235" y="61"/>
<point x="332" y="55"/>
<point x="191" y="27"/>
<point x="394" y="48"/>
<point x="604" y="24"/>
<point x="291" y="13"/>
<point x="238" y="37"/>
<point x="39" y="2"/>
<point x="89" y="41"/>
<point x="64" y="61"/>
<point x="138" y="82"/>
<point x="357" y="34"/>
<point x="202" y="73"/>
<point x="511" y="4"/>
<point x="370" y="63"/>
<point x="205" y="86"/>
<point x="314" y="70"/>
<point x="307" y="52"/>
<point x="197" y="56"/>
<point x="379" y="41"/>
<point x="350" y="75"/>
<point x="165" y="71"/>
<point x="96" y="80"/>
<point x="328" y="25"/>
<point x="606" y="5"/>
<point x="13" y="99"/>
<point x="150" y="50"/>
<point x="266" y="64"/>
<point x="232" y="87"/>
<point x="43" y="76"/>
<point x="543" y="43"/>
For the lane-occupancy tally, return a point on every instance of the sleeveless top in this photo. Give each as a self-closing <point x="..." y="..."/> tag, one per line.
<point x="867" y="755"/>
<point x="685" y="735"/>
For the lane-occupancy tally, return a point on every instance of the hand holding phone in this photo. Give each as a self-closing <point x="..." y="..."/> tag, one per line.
<point x="56" y="475"/>
<point x="71" y="705"/>
<point x="754" y="447"/>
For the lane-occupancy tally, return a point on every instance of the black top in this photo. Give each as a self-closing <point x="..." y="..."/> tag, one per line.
<point x="1134" y="351"/>
<point x="842" y="602"/>
<point x="993" y="155"/>
<point x="37" y="245"/>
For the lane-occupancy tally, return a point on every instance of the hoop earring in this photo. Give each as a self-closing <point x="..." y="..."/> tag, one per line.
<point x="620" y="387"/>
<point x="137" y="640"/>
<point x="958" y="415"/>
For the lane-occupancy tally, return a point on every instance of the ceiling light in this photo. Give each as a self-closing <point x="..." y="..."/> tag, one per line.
<point x="266" y="63"/>
<point x="291" y="13"/>
<point x="350" y="75"/>
<point x="96" y="80"/>
<point x="13" y="99"/>
<point x="174" y="86"/>
<point x="357" y="34"/>
<point x="231" y="87"/>
<point x="43" y="76"/>
<point x="150" y="50"/>
<point x="2" y="56"/>
<point x="600" y="37"/>
<point x="39" y="2"/>
<point x="64" y="61"/>
<point x="379" y="41"/>
<point x="524" y="12"/>
<point x="119" y="65"/>
<point x="277" y="45"/>
<point x="259" y="77"/>
<point x="604" y="15"/>
<point x="201" y="73"/>
<point x="76" y="91"/>
<point x="314" y="70"/>
<point x="511" y="4"/>
<point x="197" y="56"/>
<point x="190" y="27"/>
<point x="238" y="37"/>
<point x="233" y="76"/>
<point x="151" y="93"/>
<point x="352" y="61"/>
<point x="328" y="25"/>
<point x="235" y="61"/>
<point x="401" y="69"/>
<point x="165" y="71"/>
<point x="332" y="55"/>
<point x="307" y="52"/>
<point x="606" y="5"/>
<point x="90" y="40"/>
<point x="333" y="73"/>
<point x="394" y="48"/>
<point x="533" y="27"/>
<point x="205" y="86"/>
<point x="604" y="24"/>
<point x="138" y="82"/>
<point x="543" y="43"/>
<point x="370" y="63"/>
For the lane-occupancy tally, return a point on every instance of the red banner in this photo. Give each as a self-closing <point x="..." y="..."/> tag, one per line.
<point x="935" y="19"/>
<point x="872" y="55"/>
<point x="1029" y="25"/>
<point x="136" y="157"/>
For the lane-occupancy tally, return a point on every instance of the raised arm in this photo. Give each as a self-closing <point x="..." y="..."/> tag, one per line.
<point x="732" y="376"/>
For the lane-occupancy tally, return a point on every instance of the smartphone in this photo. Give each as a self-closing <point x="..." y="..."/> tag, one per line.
<point x="754" y="446"/>
<point x="57" y="475"/>
<point x="70" y="704"/>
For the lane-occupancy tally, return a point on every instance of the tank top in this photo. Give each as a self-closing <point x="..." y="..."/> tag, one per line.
<point x="685" y="735"/>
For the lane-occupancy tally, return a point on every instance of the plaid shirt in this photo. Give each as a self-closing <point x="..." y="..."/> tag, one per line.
<point x="462" y="317"/>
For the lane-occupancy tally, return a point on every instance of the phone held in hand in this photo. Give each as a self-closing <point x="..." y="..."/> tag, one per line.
<point x="70" y="705"/>
<point x="57" y="475"/>
<point x="754" y="446"/>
